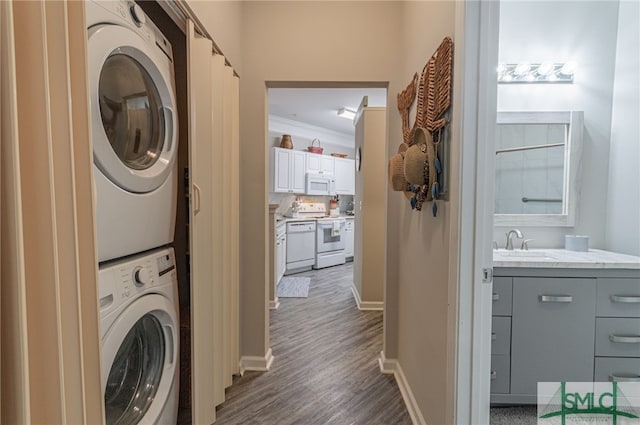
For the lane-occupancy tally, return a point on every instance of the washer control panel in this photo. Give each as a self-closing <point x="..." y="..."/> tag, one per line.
<point x="124" y="280"/>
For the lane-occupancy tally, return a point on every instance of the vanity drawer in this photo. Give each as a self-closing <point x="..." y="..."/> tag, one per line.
<point x="617" y="369"/>
<point x="502" y="294"/>
<point x="501" y="335"/>
<point x="618" y="297"/>
<point x="500" y="374"/>
<point x="618" y="337"/>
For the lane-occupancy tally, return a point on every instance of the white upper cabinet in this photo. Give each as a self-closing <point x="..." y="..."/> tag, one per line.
<point x="288" y="170"/>
<point x="345" y="179"/>
<point x="320" y="164"/>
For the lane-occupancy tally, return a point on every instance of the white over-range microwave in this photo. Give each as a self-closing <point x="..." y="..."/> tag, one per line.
<point x="320" y="184"/>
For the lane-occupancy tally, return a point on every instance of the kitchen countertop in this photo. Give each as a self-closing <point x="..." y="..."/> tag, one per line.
<point x="560" y="258"/>
<point x="281" y="219"/>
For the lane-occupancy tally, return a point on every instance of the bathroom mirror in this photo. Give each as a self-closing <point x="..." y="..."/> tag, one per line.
<point x="536" y="168"/>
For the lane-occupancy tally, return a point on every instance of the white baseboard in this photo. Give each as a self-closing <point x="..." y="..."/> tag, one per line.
<point x="389" y="366"/>
<point x="256" y="363"/>
<point x="386" y="366"/>
<point x="274" y="304"/>
<point x="365" y="305"/>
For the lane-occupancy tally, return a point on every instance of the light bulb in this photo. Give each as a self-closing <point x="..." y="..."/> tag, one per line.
<point x="530" y="77"/>
<point x="545" y="68"/>
<point x="501" y="68"/>
<point x="568" y="68"/>
<point x="507" y="77"/>
<point x="522" y="68"/>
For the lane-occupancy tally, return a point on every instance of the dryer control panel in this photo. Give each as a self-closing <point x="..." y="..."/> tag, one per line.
<point x="122" y="281"/>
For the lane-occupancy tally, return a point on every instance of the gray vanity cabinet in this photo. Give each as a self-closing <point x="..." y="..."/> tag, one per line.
<point x="562" y="325"/>
<point x="552" y="335"/>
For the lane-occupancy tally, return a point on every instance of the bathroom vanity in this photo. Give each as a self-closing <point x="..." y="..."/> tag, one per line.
<point x="563" y="316"/>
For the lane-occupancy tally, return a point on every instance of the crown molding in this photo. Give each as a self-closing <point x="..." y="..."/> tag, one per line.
<point x="300" y="129"/>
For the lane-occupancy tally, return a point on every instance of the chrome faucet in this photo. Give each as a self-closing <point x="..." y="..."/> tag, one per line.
<point x="509" y="245"/>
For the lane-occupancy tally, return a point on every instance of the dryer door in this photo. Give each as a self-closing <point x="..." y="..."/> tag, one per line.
<point x="134" y="128"/>
<point x="140" y="351"/>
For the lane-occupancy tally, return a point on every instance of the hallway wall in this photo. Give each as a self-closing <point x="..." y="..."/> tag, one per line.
<point x="361" y="41"/>
<point x="420" y="244"/>
<point x="288" y="42"/>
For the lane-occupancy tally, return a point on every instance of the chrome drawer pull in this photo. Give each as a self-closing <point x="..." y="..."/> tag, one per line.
<point x="493" y="336"/>
<point x="625" y="339"/>
<point x="618" y="378"/>
<point x="495" y="297"/>
<point x="555" y="298"/>
<point x="625" y="299"/>
<point x="494" y="375"/>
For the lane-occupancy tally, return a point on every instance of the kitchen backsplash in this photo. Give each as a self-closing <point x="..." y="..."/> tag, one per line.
<point x="284" y="200"/>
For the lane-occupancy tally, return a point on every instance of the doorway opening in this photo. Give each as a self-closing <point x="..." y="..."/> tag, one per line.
<point x="314" y="192"/>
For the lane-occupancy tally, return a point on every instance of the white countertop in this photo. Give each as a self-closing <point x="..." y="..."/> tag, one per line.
<point x="560" y="258"/>
<point x="282" y="219"/>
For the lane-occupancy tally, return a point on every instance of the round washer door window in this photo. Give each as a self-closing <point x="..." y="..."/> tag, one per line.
<point x="139" y="360"/>
<point x="136" y="372"/>
<point x="134" y="127"/>
<point x="131" y="112"/>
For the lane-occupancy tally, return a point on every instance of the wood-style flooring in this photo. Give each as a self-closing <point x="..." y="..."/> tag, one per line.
<point x="325" y="369"/>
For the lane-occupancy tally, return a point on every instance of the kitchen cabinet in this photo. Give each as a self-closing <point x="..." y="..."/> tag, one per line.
<point x="562" y="325"/>
<point x="345" y="176"/>
<point x="348" y="238"/>
<point x="288" y="170"/>
<point x="281" y="252"/>
<point x="320" y="164"/>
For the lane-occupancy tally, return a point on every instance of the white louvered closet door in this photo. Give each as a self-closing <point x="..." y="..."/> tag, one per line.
<point x="214" y="230"/>
<point x="230" y="218"/>
<point x="217" y="182"/>
<point x="201" y="228"/>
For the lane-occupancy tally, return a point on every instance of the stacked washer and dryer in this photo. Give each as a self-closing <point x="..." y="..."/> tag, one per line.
<point x="134" y="136"/>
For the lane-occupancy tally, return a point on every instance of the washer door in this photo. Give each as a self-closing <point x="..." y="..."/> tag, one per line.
<point x="139" y="361"/>
<point x="134" y="128"/>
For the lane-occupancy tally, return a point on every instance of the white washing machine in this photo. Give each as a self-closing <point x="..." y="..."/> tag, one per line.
<point x="134" y="129"/>
<point x="140" y="328"/>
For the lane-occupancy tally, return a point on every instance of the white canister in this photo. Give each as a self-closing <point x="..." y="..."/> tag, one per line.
<point x="576" y="243"/>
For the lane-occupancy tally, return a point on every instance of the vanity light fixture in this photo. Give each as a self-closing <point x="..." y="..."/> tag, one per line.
<point x="545" y="72"/>
<point x="346" y="114"/>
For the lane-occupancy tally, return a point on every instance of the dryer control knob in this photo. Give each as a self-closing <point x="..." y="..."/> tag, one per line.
<point x="138" y="15"/>
<point x="140" y="276"/>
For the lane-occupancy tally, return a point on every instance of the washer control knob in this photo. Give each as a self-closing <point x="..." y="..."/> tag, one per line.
<point x="138" y="15"/>
<point x="140" y="276"/>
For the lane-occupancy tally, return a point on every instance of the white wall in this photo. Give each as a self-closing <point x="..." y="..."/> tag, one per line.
<point x="303" y="134"/>
<point x="584" y="32"/>
<point x="623" y="201"/>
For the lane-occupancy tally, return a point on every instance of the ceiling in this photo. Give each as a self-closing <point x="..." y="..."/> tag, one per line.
<point x="319" y="106"/>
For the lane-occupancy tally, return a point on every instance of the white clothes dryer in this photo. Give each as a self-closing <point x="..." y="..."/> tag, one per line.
<point x="139" y="327"/>
<point x="134" y="129"/>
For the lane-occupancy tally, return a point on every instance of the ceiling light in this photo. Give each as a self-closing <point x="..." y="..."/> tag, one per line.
<point x="346" y="113"/>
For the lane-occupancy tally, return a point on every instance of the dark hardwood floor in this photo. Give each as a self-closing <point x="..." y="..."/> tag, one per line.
<point x="325" y="369"/>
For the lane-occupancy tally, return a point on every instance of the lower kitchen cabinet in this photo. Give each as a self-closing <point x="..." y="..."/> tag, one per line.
<point x="549" y="326"/>
<point x="281" y="252"/>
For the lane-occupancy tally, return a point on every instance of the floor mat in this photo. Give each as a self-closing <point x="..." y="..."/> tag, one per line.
<point x="293" y="287"/>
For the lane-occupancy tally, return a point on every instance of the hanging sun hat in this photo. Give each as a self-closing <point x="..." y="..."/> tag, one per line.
<point x="396" y="170"/>
<point x="419" y="168"/>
